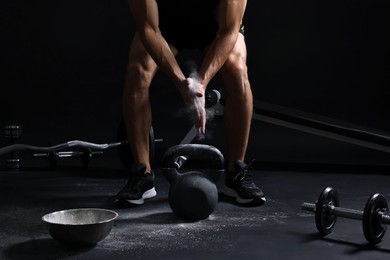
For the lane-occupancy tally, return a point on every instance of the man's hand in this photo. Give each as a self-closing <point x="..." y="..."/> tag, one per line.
<point x="193" y="93"/>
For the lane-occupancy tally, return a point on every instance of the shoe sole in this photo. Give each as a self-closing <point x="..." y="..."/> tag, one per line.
<point x="147" y="195"/>
<point x="232" y="193"/>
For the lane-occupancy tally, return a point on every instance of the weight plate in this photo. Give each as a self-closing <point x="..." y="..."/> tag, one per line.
<point x="86" y="158"/>
<point x="373" y="228"/>
<point x="324" y="220"/>
<point x="53" y="160"/>
<point x="211" y="98"/>
<point x="13" y="131"/>
<point x="124" y="152"/>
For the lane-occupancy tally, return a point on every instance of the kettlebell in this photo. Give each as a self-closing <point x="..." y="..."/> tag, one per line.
<point x="193" y="194"/>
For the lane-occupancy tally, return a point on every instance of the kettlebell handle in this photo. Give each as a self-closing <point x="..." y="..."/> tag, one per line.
<point x="177" y="155"/>
<point x="172" y="173"/>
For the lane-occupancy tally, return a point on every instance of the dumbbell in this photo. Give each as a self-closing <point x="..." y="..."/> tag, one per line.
<point x="374" y="217"/>
<point x="13" y="132"/>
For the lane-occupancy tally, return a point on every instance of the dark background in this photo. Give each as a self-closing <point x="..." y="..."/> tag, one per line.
<point x="63" y="68"/>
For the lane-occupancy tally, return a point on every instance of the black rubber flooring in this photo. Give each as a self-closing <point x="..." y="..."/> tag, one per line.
<point x="277" y="230"/>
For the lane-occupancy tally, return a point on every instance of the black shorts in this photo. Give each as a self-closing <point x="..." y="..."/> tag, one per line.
<point x="199" y="39"/>
<point x="193" y="27"/>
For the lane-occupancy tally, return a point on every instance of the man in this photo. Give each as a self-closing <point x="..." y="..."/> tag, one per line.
<point x="164" y="28"/>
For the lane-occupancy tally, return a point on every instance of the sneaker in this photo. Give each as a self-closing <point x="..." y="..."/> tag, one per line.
<point x="139" y="187"/>
<point x="239" y="185"/>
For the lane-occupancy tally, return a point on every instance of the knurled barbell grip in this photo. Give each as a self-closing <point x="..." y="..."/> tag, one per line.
<point x="385" y="219"/>
<point x="344" y="212"/>
<point x="308" y="207"/>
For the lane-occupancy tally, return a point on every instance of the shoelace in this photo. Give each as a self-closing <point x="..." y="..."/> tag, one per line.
<point x="244" y="176"/>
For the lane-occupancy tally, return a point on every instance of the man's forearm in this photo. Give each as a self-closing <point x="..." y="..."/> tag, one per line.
<point x="216" y="56"/>
<point x="159" y="49"/>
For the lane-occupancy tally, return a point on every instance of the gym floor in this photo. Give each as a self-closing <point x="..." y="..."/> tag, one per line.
<point x="63" y="81"/>
<point x="277" y="230"/>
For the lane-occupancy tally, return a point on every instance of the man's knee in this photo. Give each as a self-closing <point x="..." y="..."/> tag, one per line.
<point x="138" y="77"/>
<point x="236" y="69"/>
<point x="138" y="73"/>
<point x="236" y="80"/>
